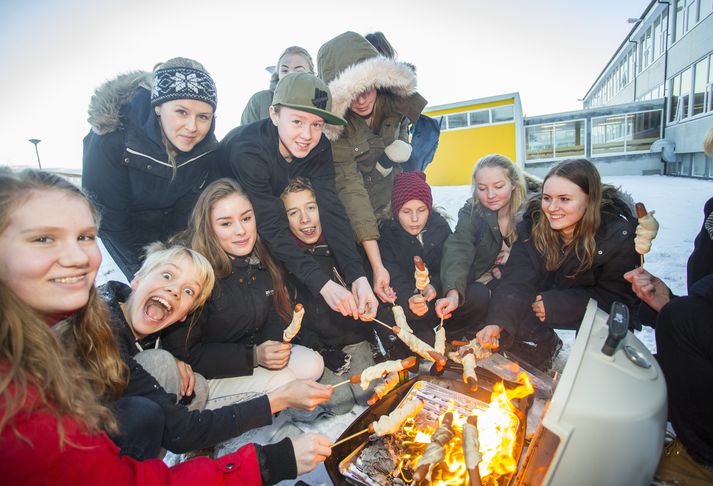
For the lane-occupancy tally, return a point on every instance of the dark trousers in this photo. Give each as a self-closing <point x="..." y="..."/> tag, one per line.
<point x="684" y="341"/>
<point x="141" y="423"/>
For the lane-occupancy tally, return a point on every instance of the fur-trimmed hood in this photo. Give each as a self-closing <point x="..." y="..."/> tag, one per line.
<point x="350" y="65"/>
<point x="111" y="97"/>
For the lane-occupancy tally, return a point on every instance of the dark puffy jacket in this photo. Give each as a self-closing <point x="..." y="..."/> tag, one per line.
<point x="700" y="263"/>
<point x="251" y="155"/>
<point x="398" y="248"/>
<point x="127" y="173"/>
<point x="323" y="327"/>
<point x="238" y="316"/>
<point x="565" y="298"/>
<point x="192" y="430"/>
<point x="472" y="248"/>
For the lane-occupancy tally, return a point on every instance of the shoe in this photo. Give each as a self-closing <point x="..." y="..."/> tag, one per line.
<point x="678" y="467"/>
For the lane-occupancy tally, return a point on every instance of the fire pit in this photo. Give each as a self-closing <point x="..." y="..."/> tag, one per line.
<point x="391" y="460"/>
<point x="604" y="423"/>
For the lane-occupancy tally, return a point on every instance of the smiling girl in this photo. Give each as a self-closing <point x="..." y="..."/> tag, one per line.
<point x="236" y="341"/>
<point x="480" y="245"/>
<point x="575" y="242"/>
<point x="149" y="154"/>
<point x="60" y="366"/>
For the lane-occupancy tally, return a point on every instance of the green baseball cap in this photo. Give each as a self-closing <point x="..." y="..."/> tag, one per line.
<point x="306" y="92"/>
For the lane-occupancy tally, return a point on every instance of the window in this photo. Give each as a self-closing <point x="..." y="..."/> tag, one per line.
<point x="502" y="113"/>
<point x="457" y="120"/>
<point x="687" y="15"/>
<point x="630" y="132"/>
<point x="644" y="129"/>
<point x="555" y="140"/>
<point x="481" y="117"/>
<point x="700" y="80"/>
<point x="675" y="95"/>
<point x="698" y="166"/>
<point x="678" y="32"/>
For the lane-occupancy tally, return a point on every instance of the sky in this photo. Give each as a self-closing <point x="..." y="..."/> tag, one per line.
<point x="54" y="53"/>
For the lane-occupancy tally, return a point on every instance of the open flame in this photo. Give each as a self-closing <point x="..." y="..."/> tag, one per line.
<point x="497" y="431"/>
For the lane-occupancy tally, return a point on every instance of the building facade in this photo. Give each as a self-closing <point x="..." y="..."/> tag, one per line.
<point x="667" y="55"/>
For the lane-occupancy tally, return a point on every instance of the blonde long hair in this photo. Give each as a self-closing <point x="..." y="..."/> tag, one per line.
<point x="548" y="241"/>
<point x="200" y="237"/>
<point x="517" y="179"/>
<point x="74" y="370"/>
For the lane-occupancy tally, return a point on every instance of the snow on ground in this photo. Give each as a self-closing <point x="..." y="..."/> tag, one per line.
<point x="678" y="203"/>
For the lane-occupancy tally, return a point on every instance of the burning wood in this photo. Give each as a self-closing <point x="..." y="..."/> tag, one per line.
<point x="451" y="440"/>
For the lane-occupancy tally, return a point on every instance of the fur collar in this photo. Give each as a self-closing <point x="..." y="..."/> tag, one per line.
<point x="377" y="72"/>
<point x="109" y="98"/>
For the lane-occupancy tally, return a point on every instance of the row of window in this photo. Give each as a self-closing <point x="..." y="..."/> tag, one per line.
<point x="692" y="91"/>
<point x="649" y="46"/>
<point x="610" y="134"/>
<point x="689" y="13"/>
<point x="654" y="94"/>
<point x="693" y="164"/>
<point x="487" y="116"/>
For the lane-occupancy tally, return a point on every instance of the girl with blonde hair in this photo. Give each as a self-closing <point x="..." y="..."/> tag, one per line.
<point x="475" y="253"/>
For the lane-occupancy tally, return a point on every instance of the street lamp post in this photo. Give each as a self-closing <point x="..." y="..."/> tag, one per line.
<point x="35" y="141"/>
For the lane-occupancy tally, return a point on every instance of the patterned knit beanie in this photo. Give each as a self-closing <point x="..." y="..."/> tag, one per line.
<point x="182" y="79"/>
<point x="408" y="186"/>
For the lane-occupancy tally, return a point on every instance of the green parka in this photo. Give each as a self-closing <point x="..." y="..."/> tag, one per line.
<point x="258" y="107"/>
<point x="350" y="65"/>
<point x="472" y="248"/>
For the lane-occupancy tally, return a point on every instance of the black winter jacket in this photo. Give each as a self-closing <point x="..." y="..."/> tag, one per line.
<point x="185" y="430"/>
<point x="238" y="316"/>
<point x="322" y="327"/>
<point x="251" y="155"/>
<point x="565" y="298"/>
<point x="398" y="248"/>
<point x="700" y="263"/>
<point x="127" y="173"/>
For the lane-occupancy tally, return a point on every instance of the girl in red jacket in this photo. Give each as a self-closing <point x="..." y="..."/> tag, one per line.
<point x="52" y="423"/>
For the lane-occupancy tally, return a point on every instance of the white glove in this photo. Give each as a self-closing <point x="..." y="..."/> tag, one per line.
<point x="398" y="151"/>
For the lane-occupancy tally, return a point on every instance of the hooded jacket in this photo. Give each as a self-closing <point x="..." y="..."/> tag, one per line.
<point x="238" y="316"/>
<point x="397" y="251"/>
<point x="350" y="65"/>
<point x="187" y="430"/>
<point x="251" y="155"/>
<point x="127" y="173"/>
<point x="565" y="296"/>
<point x="472" y="248"/>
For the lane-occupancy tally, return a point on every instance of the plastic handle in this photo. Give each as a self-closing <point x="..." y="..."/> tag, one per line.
<point x="618" y="327"/>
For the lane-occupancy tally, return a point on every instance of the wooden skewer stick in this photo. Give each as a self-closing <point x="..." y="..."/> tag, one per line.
<point x="368" y="429"/>
<point x="391" y="328"/>
<point x="354" y="379"/>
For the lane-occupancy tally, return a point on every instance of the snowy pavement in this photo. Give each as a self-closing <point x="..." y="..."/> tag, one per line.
<point x="678" y="203"/>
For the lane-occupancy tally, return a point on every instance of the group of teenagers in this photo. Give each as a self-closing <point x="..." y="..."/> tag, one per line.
<point x="306" y="202"/>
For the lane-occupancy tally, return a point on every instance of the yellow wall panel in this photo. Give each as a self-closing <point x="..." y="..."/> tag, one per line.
<point x="458" y="150"/>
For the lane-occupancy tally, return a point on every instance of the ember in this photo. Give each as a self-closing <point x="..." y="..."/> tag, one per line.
<point x="497" y="427"/>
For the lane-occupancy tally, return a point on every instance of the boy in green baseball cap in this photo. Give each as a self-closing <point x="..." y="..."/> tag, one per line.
<point x="263" y="156"/>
